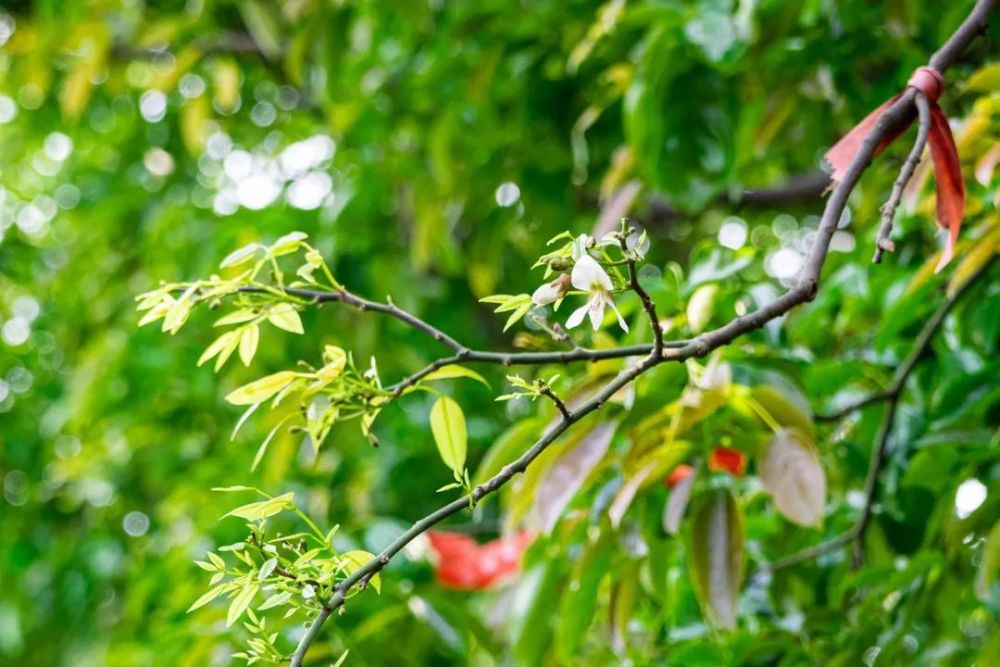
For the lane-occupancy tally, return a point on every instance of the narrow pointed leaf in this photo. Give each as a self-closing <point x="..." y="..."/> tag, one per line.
<point x="716" y="555"/>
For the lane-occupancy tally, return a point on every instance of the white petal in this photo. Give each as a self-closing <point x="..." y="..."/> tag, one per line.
<point x="545" y="294"/>
<point x="589" y="276"/>
<point x="596" y="306"/>
<point x="577" y="316"/>
<point x="621" y="320"/>
<point x="580" y="246"/>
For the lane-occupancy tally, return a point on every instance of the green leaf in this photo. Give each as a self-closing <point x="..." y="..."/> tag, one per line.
<point x="352" y="561"/>
<point x="263" y="509"/>
<point x="241" y="602"/>
<point x="454" y="371"/>
<point x="989" y="566"/>
<point x="579" y="601"/>
<point x="284" y="316"/>
<point x="224" y="344"/>
<point x="248" y="343"/>
<point x="262" y="389"/>
<point x="275" y="601"/>
<point x="209" y="596"/>
<point x="716" y="555"/>
<point x="241" y="256"/>
<point x="267" y="440"/>
<point x="448" y="427"/>
<point x="287" y="244"/>
<point x="791" y="472"/>
<point x="237" y="317"/>
<point x="784" y="409"/>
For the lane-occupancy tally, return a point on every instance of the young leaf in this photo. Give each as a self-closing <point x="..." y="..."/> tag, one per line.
<point x="287" y="244"/>
<point x="241" y="602"/>
<point x="454" y="371"/>
<point x="208" y="597"/>
<point x="352" y="561"/>
<point x="237" y="257"/>
<point x="262" y="389"/>
<point x="284" y="316"/>
<point x="791" y="472"/>
<point x="248" y="343"/>
<point x="228" y="340"/>
<point x="716" y="555"/>
<point x="237" y="317"/>
<point x="448" y="428"/>
<point x="275" y="601"/>
<point x="262" y="509"/>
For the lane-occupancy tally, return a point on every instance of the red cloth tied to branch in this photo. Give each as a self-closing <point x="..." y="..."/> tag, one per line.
<point x="947" y="168"/>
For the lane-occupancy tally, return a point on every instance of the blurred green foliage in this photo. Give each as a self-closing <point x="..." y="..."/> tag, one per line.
<point x="429" y="149"/>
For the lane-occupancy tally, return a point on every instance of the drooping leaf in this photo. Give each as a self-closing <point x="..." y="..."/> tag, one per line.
<point x="242" y="601"/>
<point x="262" y="389"/>
<point x="284" y="316"/>
<point x="716" y="555"/>
<point x="224" y="344"/>
<point x="791" y="472"/>
<point x="579" y="602"/>
<point x="448" y="428"/>
<point x="568" y="473"/>
<point x="249" y="339"/>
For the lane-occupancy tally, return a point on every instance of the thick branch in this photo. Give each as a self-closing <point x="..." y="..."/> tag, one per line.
<point x="804" y="291"/>
<point x="882" y="242"/>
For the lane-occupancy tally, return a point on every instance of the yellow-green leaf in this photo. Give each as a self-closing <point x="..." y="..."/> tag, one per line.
<point x="335" y="359"/>
<point x="208" y="597"/>
<point x="352" y="561"/>
<point x="248" y="343"/>
<point x="262" y="389"/>
<point x="454" y="371"/>
<point x="448" y="427"/>
<point x="284" y="316"/>
<point x="241" y="602"/>
<point x="700" y="307"/>
<point x="228" y="340"/>
<point x="263" y="509"/>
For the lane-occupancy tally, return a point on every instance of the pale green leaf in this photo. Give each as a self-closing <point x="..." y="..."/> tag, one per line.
<point x="262" y="389"/>
<point x="227" y="340"/>
<point x="237" y="257"/>
<point x="248" y="343"/>
<point x="209" y="596"/>
<point x="263" y="509"/>
<point x="454" y="371"/>
<point x="284" y="316"/>
<point x="241" y="602"/>
<point x="448" y="428"/>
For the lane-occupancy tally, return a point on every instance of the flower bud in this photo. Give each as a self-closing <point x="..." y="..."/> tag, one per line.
<point x="551" y="291"/>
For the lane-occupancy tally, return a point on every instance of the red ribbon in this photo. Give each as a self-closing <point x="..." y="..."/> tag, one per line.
<point x="947" y="168"/>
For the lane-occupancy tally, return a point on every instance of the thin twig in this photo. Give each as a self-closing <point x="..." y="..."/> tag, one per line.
<point x="882" y="242"/>
<point x="647" y="301"/>
<point x="551" y="395"/>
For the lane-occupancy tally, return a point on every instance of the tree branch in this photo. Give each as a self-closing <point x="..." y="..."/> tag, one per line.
<point x="647" y="301"/>
<point x="804" y="291"/>
<point x="891" y="396"/>
<point x="882" y="242"/>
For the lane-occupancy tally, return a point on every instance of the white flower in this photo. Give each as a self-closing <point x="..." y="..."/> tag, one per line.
<point x="551" y="291"/>
<point x="589" y="277"/>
